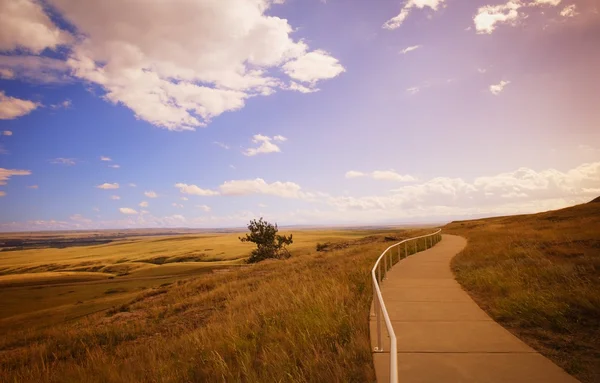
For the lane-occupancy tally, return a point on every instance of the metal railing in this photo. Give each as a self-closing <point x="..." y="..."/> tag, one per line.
<point x="422" y="242"/>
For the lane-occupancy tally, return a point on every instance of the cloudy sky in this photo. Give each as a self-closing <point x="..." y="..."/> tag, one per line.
<point x="206" y="113"/>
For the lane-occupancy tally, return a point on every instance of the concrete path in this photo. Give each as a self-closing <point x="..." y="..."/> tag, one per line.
<point x="443" y="336"/>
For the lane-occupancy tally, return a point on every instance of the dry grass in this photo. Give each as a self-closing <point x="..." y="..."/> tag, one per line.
<point x="300" y="320"/>
<point x="539" y="276"/>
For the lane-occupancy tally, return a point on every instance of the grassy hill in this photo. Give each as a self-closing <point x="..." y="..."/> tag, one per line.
<point x="305" y="319"/>
<point x="539" y="276"/>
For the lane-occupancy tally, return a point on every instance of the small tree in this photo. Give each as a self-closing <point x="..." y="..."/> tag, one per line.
<point x="269" y="244"/>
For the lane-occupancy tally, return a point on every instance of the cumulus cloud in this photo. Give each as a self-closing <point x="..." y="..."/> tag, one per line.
<point x="108" y="186"/>
<point x="195" y="190"/>
<point x="204" y="208"/>
<point x="66" y="104"/>
<point x="496" y="89"/>
<point x="160" y="76"/>
<point x="150" y="194"/>
<point x="63" y="161"/>
<point x="5" y="174"/>
<point x="259" y="186"/>
<point x="115" y="197"/>
<point x="265" y="145"/>
<point x="143" y="204"/>
<point x="114" y="166"/>
<point x="382" y="175"/>
<point x="132" y="185"/>
<point x="569" y="11"/>
<point x="224" y="146"/>
<point x="36" y="69"/>
<point x="313" y="66"/>
<point x="410" y="49"/>
<point x="553" y="3"/>
<point x="7" y="133"/>
<point x="33" y="187"/>
<point x="127" y="210"/>
<point x="301" y="88"/>
<point x="489" y="16"/>
<point x="355" y="174"/>
<point x="12" y="107"/>
<point x="178" y="205"/>
<point x="25" y="25"/>
<point x="397" y="21"/>
<point x="104" y="158"/>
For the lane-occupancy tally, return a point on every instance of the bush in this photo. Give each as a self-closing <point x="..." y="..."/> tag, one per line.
<point x="269" y="244"/>
<point x="322" y="246"/>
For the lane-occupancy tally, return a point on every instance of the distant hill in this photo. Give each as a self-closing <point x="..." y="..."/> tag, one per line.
<point x="596" y="200"/>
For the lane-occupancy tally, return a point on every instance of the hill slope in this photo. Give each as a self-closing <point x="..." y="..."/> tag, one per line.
<point x="539" y="276"/>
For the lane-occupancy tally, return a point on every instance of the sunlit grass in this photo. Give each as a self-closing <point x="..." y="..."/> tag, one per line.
<point x="539" y="275"/>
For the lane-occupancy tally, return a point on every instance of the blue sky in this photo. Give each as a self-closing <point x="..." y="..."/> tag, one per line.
<point x="199" y="113"/>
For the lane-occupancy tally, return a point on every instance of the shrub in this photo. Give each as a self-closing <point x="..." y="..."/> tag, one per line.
<point x="269" y="244"/>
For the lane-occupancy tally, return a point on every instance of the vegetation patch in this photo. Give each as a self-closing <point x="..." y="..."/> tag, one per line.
<point x="539" y="276"/>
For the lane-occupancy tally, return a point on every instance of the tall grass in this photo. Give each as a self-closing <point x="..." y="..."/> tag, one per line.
<point x="539" y="276"/>
<point x="300" y="320"/>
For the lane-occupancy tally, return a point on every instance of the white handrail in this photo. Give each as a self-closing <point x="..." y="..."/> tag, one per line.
<point x="379" y="305"/>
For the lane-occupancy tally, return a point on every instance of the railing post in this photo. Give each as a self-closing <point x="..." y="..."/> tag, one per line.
<point x="377" y="318"/>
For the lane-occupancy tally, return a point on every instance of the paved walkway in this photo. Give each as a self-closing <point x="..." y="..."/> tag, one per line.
<point x="443" y="336"/>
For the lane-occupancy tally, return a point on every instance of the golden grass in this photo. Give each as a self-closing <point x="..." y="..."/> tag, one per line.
<point x="539" y="276"/>
<point x="304" y="319"/>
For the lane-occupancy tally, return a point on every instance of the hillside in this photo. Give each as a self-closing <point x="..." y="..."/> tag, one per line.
<point x="539" y="276"/>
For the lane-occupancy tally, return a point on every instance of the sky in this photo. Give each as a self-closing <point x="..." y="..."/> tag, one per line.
<point x="209" y="113"/>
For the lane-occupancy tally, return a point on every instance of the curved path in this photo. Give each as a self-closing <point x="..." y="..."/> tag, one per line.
<point x="443" y="336"/>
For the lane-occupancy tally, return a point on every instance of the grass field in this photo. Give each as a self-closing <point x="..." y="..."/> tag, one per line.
<point x="539" y="276"/>
<point x="215" y="319"/>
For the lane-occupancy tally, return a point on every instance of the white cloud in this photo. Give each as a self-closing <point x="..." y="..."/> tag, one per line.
<point x="313" y="66"/>
<point x="390" y="175"/>
<point x="132" y="185"/>
<point x="489" y="16"/>
<point x="204" y="208"/>
<point x="5" y="174"/>
<point x="34" y="69"/>
<point x="150" y="194"/>
<point x="104" y="158"/>
<point x="143" y="204"/>
<point x="25" y="25"/>
<point x="259" y="186"/>
<point x="33" y="187"/>
<point x="195" y="190"/>
<point x="496" y="89"/>
<point x="569" y="11"/>
<point x="266" y="146"/>
<point x="382" y="175"/>
<point x="115" y="197"/>
<point x="397" y="21"/>
<point x="7" y="73"/>
<point x="114" y="166"/>
<point x="158" y="73"/>
<point x="63" y="161"/>
<point x="7" y="133"/>
<point x="178" y="205"/>
<point x="482" y="70"/>
<point x="128" y="211"/>
<point x="108" y="186"/>
<point x="221" y="144"/>
<point x="355" y="174"/>
<point x="184" y="198"/>
<point x="2" y="193"/>
<point x="553" y="3"/>
<point x="413" y="90"/>
<point x="62" y="105"/>
<point x="301" y="88"/>
<point x="11" y="107"/>
<point x="410" y="49"/>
